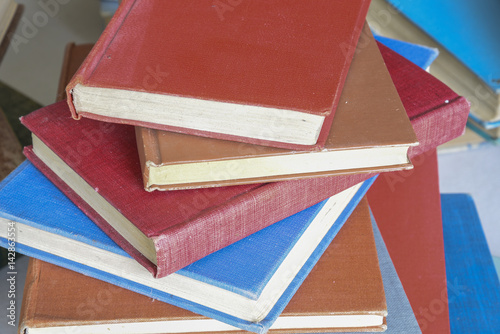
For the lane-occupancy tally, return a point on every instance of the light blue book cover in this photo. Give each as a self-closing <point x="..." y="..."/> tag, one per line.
<point x="242" y="271"/>
<point x="468" y="29"/>
<point x="420" y="55"/>
<point x="473" y="285"/>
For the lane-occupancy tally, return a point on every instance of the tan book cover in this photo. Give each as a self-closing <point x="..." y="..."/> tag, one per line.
<point x="74" y="55"/>
<point x="371" y="132"/>
<point x="345" y="281"/>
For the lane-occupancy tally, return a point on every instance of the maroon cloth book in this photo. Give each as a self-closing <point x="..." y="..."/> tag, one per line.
<point x="261" y="71"/>
<point x="407" y="208"/>
<point x="184" y="226"/>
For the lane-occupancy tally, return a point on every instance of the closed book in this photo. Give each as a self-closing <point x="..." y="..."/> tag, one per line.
<point x="176" y="228"/>
<point x="371" y="133"/>
<point x="57" y="300"/>
<point x="407" y="208"/>
<point x="474" y="295"/>
<point x="264" y="72"/>
<point x="246" y="284"/>
<point x="466" y="34"/>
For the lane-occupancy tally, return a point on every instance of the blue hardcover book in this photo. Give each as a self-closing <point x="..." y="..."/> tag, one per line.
<point x="473" y="285"/>
<point x="420" y="55"/>
<point x="251" y="279"/>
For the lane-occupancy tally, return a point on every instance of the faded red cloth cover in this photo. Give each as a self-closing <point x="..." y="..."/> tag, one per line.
<point x="284" y="54"/>
<point x="407" y="208"/>
<point x="190" y="224"/>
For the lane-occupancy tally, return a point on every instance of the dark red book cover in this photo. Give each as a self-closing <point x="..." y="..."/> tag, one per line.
<point x="282" y="56"/>
<point x="407" y="208"/>
<point x="190" y="224"/>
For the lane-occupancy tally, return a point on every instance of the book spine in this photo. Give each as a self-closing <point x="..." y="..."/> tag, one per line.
<point x="97" y="52"/>
<point x="30" y="294"/>
<point x="440" y="127"/>
<point x="148" y="153"/>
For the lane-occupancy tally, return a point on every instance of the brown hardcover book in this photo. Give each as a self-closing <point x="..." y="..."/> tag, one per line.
<point x="371" y="132"/>
<point x="74" y="55"/>
<point x="345" y="281"/>
<point x="11" y="152"/>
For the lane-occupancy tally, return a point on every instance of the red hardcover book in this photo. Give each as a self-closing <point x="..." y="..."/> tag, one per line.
<point x="261" y="71"/>
<point x="184" y="226"/>
<point x="407" y="208"/>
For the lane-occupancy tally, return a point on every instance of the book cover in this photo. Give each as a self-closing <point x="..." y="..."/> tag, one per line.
<point x="474" y="296"/>
<point x="74" y="55"/>
<point x="420" y="55"/>
<point x="407" y="208"/>
<point x="265" y="72"/>
<point x="261" y="271"/>
<point x="178" y="227"/>
<point x="371" y="133"/>
<point x="466" y="37"/>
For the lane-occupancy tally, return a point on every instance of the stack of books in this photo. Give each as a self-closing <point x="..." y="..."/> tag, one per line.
<point x="204" y="160"/>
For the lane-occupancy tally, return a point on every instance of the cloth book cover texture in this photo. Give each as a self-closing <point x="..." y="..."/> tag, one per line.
<point x="187" y="225"/>
<point x="267" y="62"/>
<point x="370" y="121"/>
<point x="420" y="55"/>
<point x="351" y="293"/>
<point x="406" y="206"/>
<point x="474" y="297"/>
<point x="242" y="268"/>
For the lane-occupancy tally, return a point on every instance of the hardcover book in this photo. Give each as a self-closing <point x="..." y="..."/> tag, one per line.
<point x="371" y="133"/>
<point x="265" y="72"/>
<point x="467" y="37"/>
<point x="407" y="208"/>
<point x="133" y="313"/>
<point x="246" y="284"/>
<point x="177" y="228"/>
<point x="474" y="297"/>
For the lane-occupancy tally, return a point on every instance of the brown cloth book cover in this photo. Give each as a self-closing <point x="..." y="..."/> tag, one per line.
<point x="371" y="132"/>
<point x="345" y="281"/>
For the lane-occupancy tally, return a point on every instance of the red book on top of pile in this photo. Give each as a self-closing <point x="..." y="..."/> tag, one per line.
<point x="187" y="225"/>
<point x="266" y="72"/>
